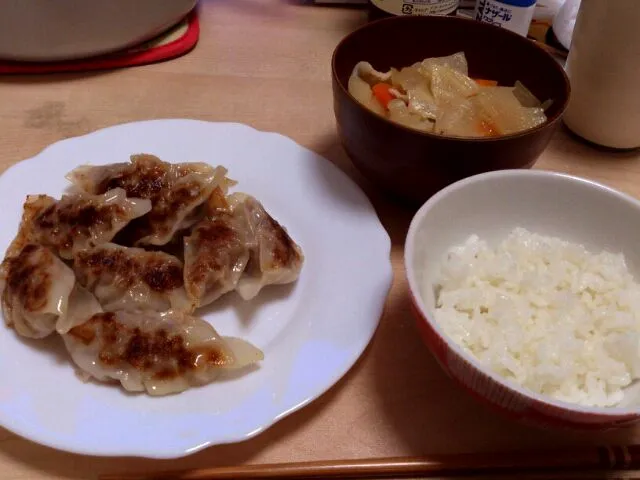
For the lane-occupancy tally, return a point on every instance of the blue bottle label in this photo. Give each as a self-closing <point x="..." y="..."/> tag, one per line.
<point x="514" y="15"/>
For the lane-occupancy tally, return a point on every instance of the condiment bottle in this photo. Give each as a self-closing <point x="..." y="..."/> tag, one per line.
<point x="514" y="15"/>
<point x="390" y="8"/>
<point x="604" y="68"/>
<point x="564" y="23"/>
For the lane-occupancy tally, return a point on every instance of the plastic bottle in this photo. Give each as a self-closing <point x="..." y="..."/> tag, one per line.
<point x="390" y="8"/>
<point x="514" y="15"/>
<point x="604" y="68"/>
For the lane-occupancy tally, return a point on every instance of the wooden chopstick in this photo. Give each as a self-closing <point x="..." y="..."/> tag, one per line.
<point x="589" y="458"/>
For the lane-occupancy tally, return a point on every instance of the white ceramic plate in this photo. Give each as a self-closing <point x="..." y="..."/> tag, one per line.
<point x="311" y="332"/>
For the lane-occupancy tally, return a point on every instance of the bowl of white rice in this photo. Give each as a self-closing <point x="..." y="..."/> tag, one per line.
<point x="526" y="288"/>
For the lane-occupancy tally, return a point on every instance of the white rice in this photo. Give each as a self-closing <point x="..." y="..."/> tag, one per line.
<point x="545" y="314"/>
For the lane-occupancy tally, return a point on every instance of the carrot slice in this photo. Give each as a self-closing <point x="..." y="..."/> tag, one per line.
<point x="382" y="93"/>
<point x="486" y="83"/>
<point x="488" y="129"/>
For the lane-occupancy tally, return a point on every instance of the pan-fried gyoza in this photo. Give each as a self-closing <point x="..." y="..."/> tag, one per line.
<point x="118" y="266"/>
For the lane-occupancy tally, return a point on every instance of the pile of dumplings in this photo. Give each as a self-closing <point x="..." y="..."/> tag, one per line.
<point x="118" y="266"/>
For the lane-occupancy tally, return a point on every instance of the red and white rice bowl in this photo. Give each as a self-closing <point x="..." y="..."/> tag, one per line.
<point x="492" y="205"/>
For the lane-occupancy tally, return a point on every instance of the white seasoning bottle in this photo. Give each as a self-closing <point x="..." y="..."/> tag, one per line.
<point x="389" y="8"/>
<point x="514" y="15"/>
<point x="604" y="69"/>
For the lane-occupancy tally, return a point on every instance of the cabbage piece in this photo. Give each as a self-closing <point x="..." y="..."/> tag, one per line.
<point x="399" y="113"/>
<point x="447" y="84"/>
<point x="409" y="78"/>
<point x="399" y="95"/>
<point x="500" y="107"/>
<point x="525" y="97"/>
<point x="458" y="118"/>
<point x="361" y="91"/>
<point x="369" y="74"/>
<point x="546" y="104"/>
<point x="422" y="103"/>
<point x="457" y="62"/>
<point x="418" y="93"/>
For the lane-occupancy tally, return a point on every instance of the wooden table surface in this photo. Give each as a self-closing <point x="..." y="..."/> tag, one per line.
<point x="267" y="63"/>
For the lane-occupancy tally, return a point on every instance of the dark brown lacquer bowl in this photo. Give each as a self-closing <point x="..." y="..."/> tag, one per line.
<point x="414" y="165"/>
